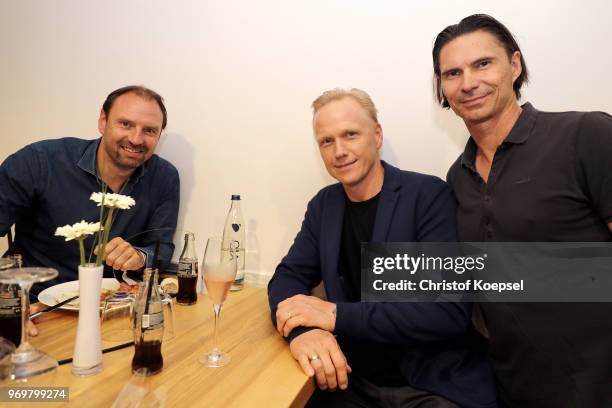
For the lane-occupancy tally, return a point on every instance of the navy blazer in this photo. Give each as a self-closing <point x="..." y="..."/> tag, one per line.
<point x="443" y="354"/>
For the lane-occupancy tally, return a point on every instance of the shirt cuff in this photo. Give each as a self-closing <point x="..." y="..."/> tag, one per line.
<point x="148" y="257"/>
<point x="347" y="315"/>
<point x="297" y="331"/>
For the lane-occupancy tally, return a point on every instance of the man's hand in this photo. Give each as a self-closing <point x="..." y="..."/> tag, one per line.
<point x="320" y="356"/>
<point x="306" y="311"/>
<point x="30" y="325"/>
<point x="121" y="255"/>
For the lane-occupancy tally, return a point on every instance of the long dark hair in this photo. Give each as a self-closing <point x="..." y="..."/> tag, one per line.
<point x="470" y="24"/>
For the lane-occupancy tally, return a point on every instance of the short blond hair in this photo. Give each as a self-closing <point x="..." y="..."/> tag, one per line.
<point x="361" y="97"/>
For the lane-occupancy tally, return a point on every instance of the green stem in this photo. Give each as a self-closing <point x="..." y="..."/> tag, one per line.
<point x="105" y="233"/>
<point x="99" y="233"/>
<point x="82" y="251"/>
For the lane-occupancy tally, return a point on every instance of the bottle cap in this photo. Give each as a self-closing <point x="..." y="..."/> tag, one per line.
<point x="235" y="196"/>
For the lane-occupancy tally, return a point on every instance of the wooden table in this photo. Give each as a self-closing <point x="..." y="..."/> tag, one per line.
<point x="262" y="372"/>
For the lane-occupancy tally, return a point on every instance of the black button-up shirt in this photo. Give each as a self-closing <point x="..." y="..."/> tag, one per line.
<point x="550" y="180"/>
<point x="47" y="185"/>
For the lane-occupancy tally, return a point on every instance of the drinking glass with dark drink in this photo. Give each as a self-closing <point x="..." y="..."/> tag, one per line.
<point x="188" y="273"/>
<point x="148" y="326"/>
<point x="218" y="274"/>
<point x="10" y="307"/>
<point x="10" y="313"/>
<point x="6" y="350"/>
<point x="27" y="361"/>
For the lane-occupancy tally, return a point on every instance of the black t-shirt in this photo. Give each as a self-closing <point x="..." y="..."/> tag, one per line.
<point x="551" y="180"/>
<point x="379" y="363"/>
<point x="357" y="227"/>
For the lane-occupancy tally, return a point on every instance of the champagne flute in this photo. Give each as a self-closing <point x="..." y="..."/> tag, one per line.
<point x="28" y="362"/>
<point x="218" y="271"/>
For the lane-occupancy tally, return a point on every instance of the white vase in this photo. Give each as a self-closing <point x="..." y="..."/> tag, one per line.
<point x="87" y="357"/>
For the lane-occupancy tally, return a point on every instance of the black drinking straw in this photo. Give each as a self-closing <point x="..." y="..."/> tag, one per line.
<point x="9" y="237"/>
<point x="156" y="256"/>
<point x="151" y="283"/>
<point x="106" y="350"/>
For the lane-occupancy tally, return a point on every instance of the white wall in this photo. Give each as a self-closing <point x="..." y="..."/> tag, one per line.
<point x="238" y="78"/>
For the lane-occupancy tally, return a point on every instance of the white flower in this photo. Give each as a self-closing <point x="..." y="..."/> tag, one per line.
<point x="112" y="200"/>
<point x="77" y="231"/>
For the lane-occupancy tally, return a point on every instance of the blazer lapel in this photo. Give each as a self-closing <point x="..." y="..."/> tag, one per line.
<point x="331" y="233"/>
<point x="386" y="203"/>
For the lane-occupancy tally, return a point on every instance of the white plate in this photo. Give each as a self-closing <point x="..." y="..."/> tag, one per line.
<point x="65" y="290"/>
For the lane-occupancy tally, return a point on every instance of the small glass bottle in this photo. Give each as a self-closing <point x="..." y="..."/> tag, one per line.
<point x="234" y="237"/>
<point x="148" y="326"/>
<point x="188" y="272"/>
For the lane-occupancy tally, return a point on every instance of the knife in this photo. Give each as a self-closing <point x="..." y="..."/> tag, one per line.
<point x="50" y="309"/>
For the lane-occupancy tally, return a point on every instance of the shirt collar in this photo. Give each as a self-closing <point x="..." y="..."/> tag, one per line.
<point x="518" y="135"/>
<point x="87" y="162"/>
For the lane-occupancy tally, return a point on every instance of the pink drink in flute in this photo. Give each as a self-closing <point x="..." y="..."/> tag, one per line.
<point x="217" y="290"/>
<point x="218" y="271"/>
